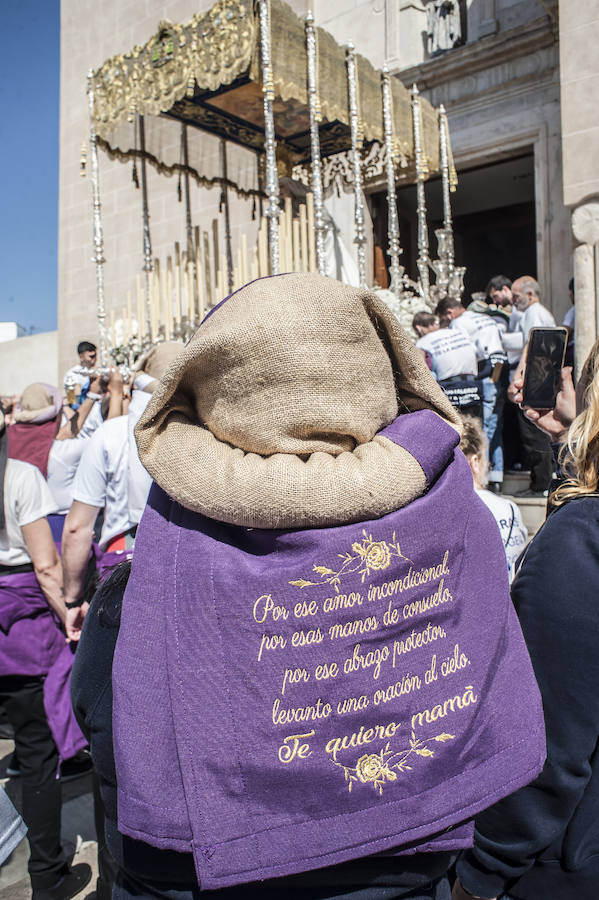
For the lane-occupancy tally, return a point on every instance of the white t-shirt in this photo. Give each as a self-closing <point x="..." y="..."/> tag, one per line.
<point x="535" y="316"/>
<point x="570" y="318"/>
<point x="62" y="466"/>
<point x="102" y="478"/>
<point x="451" y="351"/>
<point x="511" y="336"/>
<point x="27" y="498"/>
<point x="92" y="422"/>
<point x="514" y="533"/>
<point x="484" y="333"/>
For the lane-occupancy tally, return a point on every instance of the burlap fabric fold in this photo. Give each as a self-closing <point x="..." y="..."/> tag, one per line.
<point x="269" y="416"/>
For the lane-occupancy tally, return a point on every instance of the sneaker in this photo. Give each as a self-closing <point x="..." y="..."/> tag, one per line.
<point x="529" y="492"/>
<point x="68" y="886"/>
<point x="13" y="769"/>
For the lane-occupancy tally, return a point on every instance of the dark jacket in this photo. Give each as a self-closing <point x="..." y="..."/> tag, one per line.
<point x="543" y="841"/>
<point x="145" y="868"/>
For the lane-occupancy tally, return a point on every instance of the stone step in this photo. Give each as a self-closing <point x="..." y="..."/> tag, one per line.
<point x="533" y="509"/>
<point x="515" y="481"/>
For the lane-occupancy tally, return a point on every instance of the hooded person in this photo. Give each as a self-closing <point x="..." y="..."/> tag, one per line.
<point x="37" y="420"/>
<point x="319" y="677"/>
<point x="34" y="666"/>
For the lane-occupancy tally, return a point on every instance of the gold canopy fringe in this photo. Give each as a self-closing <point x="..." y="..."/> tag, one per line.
<point x="217" y="47"/>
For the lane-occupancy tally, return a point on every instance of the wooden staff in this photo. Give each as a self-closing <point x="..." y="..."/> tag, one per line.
<point x="255" y="265"/>
<point x="129" y="314"/>
<point x="125" y="322"/>
<point x="112" y="329"/>
<point x="178" y="283"/>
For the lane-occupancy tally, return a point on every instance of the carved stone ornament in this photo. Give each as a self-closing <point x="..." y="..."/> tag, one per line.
<point x="443" y="25"/>
<point x="585" y="223"/>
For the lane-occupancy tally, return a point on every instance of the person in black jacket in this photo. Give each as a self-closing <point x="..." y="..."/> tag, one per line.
<point x="543" y="840"/>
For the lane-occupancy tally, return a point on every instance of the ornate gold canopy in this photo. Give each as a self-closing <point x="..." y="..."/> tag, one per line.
<point x="207" y="73"/>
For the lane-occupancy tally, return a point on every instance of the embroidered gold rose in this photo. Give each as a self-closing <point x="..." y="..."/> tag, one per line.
<point x="379" y="768"/>
<point x="367" y="556"/>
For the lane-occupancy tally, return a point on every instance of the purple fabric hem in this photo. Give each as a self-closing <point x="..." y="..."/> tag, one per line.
<point x="233" y="862"/>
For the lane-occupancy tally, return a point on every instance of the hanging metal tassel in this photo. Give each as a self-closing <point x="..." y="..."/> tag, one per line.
<point x="83" y="160"/>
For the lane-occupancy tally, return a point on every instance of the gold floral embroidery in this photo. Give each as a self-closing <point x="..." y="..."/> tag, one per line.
<point x="368" y="556"/>
<point x="380" y="768"/>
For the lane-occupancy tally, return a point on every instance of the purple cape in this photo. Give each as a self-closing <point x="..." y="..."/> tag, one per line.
<point x="287" y="700"/>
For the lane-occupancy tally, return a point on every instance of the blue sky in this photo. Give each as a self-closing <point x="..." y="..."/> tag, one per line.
<point x="29" y="99"/>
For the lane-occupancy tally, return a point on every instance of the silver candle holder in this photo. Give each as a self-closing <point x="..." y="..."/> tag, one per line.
<point x="148" y="266"/>
<point x="423" y="261"/>
<point x="395" y="269"/>
<point x="356" y="147"/>
<point x="315" y="119"/>
<point x="272" y="180"/>
<point x="98" y="256"/>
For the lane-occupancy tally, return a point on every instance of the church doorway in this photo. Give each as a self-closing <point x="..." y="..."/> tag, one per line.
<point x="494" y="221"/>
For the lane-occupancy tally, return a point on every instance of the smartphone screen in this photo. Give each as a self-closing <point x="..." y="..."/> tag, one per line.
<point x="544" y="360"/>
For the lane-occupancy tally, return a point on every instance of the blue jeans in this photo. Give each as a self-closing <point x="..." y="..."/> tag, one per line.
<point x="493" y="402"/>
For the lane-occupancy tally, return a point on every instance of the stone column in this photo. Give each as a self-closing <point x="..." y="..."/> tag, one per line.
<point x="585" y="227"/>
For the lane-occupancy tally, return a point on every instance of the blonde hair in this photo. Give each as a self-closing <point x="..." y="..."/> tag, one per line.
<point x="473" y="441"/>
<point x="580" y="456"/>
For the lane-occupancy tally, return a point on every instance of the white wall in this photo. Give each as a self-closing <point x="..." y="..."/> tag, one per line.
<point x="28" y="359"/>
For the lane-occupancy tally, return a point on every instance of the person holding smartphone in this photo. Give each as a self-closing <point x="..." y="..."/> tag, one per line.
<point x="543" y="840"/>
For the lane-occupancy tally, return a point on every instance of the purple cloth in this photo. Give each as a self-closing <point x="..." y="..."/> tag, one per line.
<point x="32" y="643"/>
<point x="287" y="700"/>
<point x="57" y="702"/>
<point x="30" y="636"/>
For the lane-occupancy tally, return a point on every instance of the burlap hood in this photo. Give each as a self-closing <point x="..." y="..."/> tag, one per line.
<point x="38" y="403"/>
<point x="269" y="416"/>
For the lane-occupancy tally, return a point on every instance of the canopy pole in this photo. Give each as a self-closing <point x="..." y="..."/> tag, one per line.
<point x="191" y="254"/>
<point x="225" y="202"/>
<point x="315" y="119"/>
<point x="356" y="146"/>
<point x="147" y="241"/>
<point x="423" y="260"/>
<point x="272" y="179"/>
<point x="395" y="250"/>
<point x="447" y="220"/>
<point x="98" y="256"/>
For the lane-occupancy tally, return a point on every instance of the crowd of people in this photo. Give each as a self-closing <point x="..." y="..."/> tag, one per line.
<point x="474" y="352"/>
<point x="73" y="491"/>
<point x="283" y="612"/>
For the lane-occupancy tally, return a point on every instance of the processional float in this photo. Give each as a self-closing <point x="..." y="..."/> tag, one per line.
<point x="302" y="99"/>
